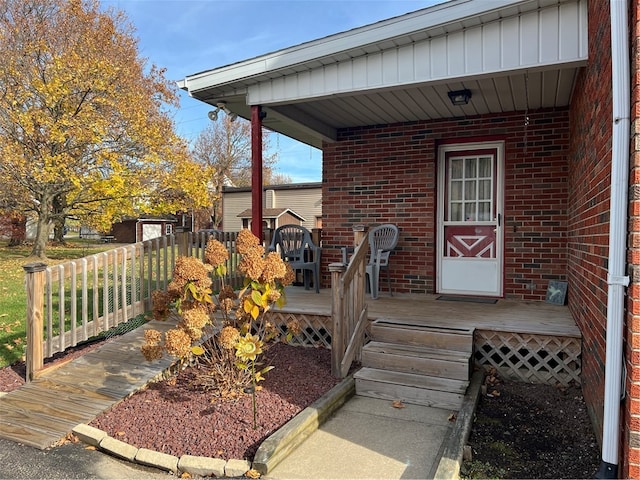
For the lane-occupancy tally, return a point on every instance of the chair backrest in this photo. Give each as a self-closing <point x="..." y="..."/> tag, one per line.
<point x="383" y="237"/>
<point x="291" y="241"/>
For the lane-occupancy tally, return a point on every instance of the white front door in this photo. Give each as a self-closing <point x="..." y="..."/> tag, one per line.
<point x="469" y="258"/>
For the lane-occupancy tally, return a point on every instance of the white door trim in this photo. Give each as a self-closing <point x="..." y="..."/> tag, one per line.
<point x="460" y="275"/>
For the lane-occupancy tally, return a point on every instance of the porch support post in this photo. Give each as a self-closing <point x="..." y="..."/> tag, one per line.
<point x="256" y="171"/>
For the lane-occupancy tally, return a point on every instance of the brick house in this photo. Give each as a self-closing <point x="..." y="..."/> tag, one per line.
<point x="495" y="134"/>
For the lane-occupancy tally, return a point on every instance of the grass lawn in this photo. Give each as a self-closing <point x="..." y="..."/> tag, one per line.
<point x="12" y="291"/>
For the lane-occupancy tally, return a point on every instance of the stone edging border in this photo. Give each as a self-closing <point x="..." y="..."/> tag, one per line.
<point x="271" y="452"/>
<point x="451" y="458"/>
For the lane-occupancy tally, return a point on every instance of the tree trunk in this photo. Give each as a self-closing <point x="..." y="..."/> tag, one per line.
<point x="42" y="228"/>
<point x="58" y="231"/>
<point x="59" y="218"/>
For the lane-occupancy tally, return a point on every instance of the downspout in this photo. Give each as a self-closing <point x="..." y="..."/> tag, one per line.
<point x="616" y="279"/>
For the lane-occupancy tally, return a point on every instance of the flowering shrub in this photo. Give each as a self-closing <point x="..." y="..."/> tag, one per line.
<point x="225" y="333"/>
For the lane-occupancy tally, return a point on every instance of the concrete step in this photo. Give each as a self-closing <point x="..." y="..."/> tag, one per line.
<point x="405" y="332"/>
<point x="410" y="388"/>
<point x="416" y="359"/>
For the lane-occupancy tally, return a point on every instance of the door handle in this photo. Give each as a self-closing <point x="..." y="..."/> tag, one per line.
<point x="499" y="218"/>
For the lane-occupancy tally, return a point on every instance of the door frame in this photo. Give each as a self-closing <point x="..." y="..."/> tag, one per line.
<point x="443" y="150"/>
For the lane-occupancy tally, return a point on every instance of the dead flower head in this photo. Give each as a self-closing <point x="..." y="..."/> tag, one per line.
<point x="161" y="302"/>
<point x="229" y="336"/>
<point x="274" y="268"/>
<point x="246" y="241"/>
<point x="294" y="327"/>
<point x="194" y="320"/>
<point x="289" y="275"/>
<point x="215" y="253"/>
<point x="191" y="270"/>
<point x="152" y="349"/>
<point x="177" y="343"/>
<point x="252" y="263"/>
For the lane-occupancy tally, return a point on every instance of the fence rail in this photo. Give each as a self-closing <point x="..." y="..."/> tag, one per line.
<point x="349" y="310"/>
<point x="75" y="301"/>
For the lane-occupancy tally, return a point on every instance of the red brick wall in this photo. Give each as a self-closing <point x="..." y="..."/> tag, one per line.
<point x="388" y="174"/>
<point x="589" y="182"/>
<point x="631" y="438"/>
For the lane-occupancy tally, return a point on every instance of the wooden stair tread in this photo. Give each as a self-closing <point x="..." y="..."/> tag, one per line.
<point x="412" y="380"/>
<point x="416" y="351"/>
<point x="407" y="333"/>
<point x="419" y="325"/>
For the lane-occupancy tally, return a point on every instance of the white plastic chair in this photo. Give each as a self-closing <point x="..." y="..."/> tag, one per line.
<point x="295" y="246"/>
<point x="382" y="241"/>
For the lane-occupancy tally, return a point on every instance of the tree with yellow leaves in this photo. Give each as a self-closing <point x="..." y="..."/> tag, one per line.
<point x="223" y="149"/>
<point x="84" y="126"/>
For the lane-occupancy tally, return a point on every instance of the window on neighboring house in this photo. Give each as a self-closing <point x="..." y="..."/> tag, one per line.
<point x="168" y="229"/>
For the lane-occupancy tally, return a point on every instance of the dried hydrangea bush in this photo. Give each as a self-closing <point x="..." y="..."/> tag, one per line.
<point x="222" y="333"/>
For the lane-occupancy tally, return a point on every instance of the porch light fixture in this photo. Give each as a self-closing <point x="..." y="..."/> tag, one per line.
<point x="213" y="114"/>
<point x="460" y="97"/>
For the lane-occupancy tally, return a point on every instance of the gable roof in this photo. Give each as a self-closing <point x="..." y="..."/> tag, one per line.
<point x="271" y="213"/>
<point x="511" y="55"/>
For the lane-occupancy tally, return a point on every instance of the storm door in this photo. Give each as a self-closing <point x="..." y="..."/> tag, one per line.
<point x="470" y="251"/>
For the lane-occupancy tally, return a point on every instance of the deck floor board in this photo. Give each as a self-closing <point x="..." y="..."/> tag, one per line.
<point x="538" y="318"/>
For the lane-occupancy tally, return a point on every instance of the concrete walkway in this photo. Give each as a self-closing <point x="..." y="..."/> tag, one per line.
<point x="369" y="438"/>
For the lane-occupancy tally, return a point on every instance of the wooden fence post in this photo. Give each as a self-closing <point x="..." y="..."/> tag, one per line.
<point x="35" y="275"/>
<point x="182" y="241"/>
<point x="337" y="330"/>
<point x="358" y="234"/>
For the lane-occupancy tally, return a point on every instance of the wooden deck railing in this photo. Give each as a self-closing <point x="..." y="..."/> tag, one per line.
<point x="349" y="310"/>
<point x="74" y="301"/>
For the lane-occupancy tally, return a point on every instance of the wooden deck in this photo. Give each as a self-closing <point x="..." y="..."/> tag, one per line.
<point x="536" y="318"/>
<point x="43" y="411"/>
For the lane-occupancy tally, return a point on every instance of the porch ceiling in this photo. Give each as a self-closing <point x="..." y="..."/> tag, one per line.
<point x="511" y="54"/>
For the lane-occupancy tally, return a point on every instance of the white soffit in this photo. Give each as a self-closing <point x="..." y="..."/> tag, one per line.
<point x="511" y="54"/>
<point x="536" y="41"/>
<point x="465" y="38"/>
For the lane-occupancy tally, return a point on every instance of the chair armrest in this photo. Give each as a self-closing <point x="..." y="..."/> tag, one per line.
<point x="346" y="252"/>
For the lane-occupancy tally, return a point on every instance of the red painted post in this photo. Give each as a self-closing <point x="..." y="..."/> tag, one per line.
<point x="256" y="171"/>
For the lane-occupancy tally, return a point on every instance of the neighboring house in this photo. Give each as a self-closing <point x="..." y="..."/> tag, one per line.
<point x="272" y="218"/>
<point x="496" y="136"/>
<point x="299" y="203"/>
<point x="134" y="230"/>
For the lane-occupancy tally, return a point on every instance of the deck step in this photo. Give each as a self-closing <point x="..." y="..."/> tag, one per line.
<point x="405" y="332"/>
<point x="410" y="388"/>
<point x="416" y="359"/>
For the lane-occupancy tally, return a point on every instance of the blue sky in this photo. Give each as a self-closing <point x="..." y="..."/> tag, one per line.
<point x="190" y="36"/>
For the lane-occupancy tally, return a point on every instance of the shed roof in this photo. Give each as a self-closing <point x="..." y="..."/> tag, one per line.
<point x="511" y="55"/>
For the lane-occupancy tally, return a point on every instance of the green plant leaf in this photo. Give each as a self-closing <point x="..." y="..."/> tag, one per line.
<point x="256" y="297"/>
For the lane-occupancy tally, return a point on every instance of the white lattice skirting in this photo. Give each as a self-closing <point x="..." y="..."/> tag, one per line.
<point x="530" y="358"/>
<point x="315" y="329"/>
<point x="517" y="356"/>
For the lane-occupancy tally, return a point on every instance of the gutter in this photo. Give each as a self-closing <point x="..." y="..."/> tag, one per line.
<point x="616" y="279"/>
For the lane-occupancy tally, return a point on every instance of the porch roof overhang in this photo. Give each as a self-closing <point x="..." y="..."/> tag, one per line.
<point x="511" y="54"/>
